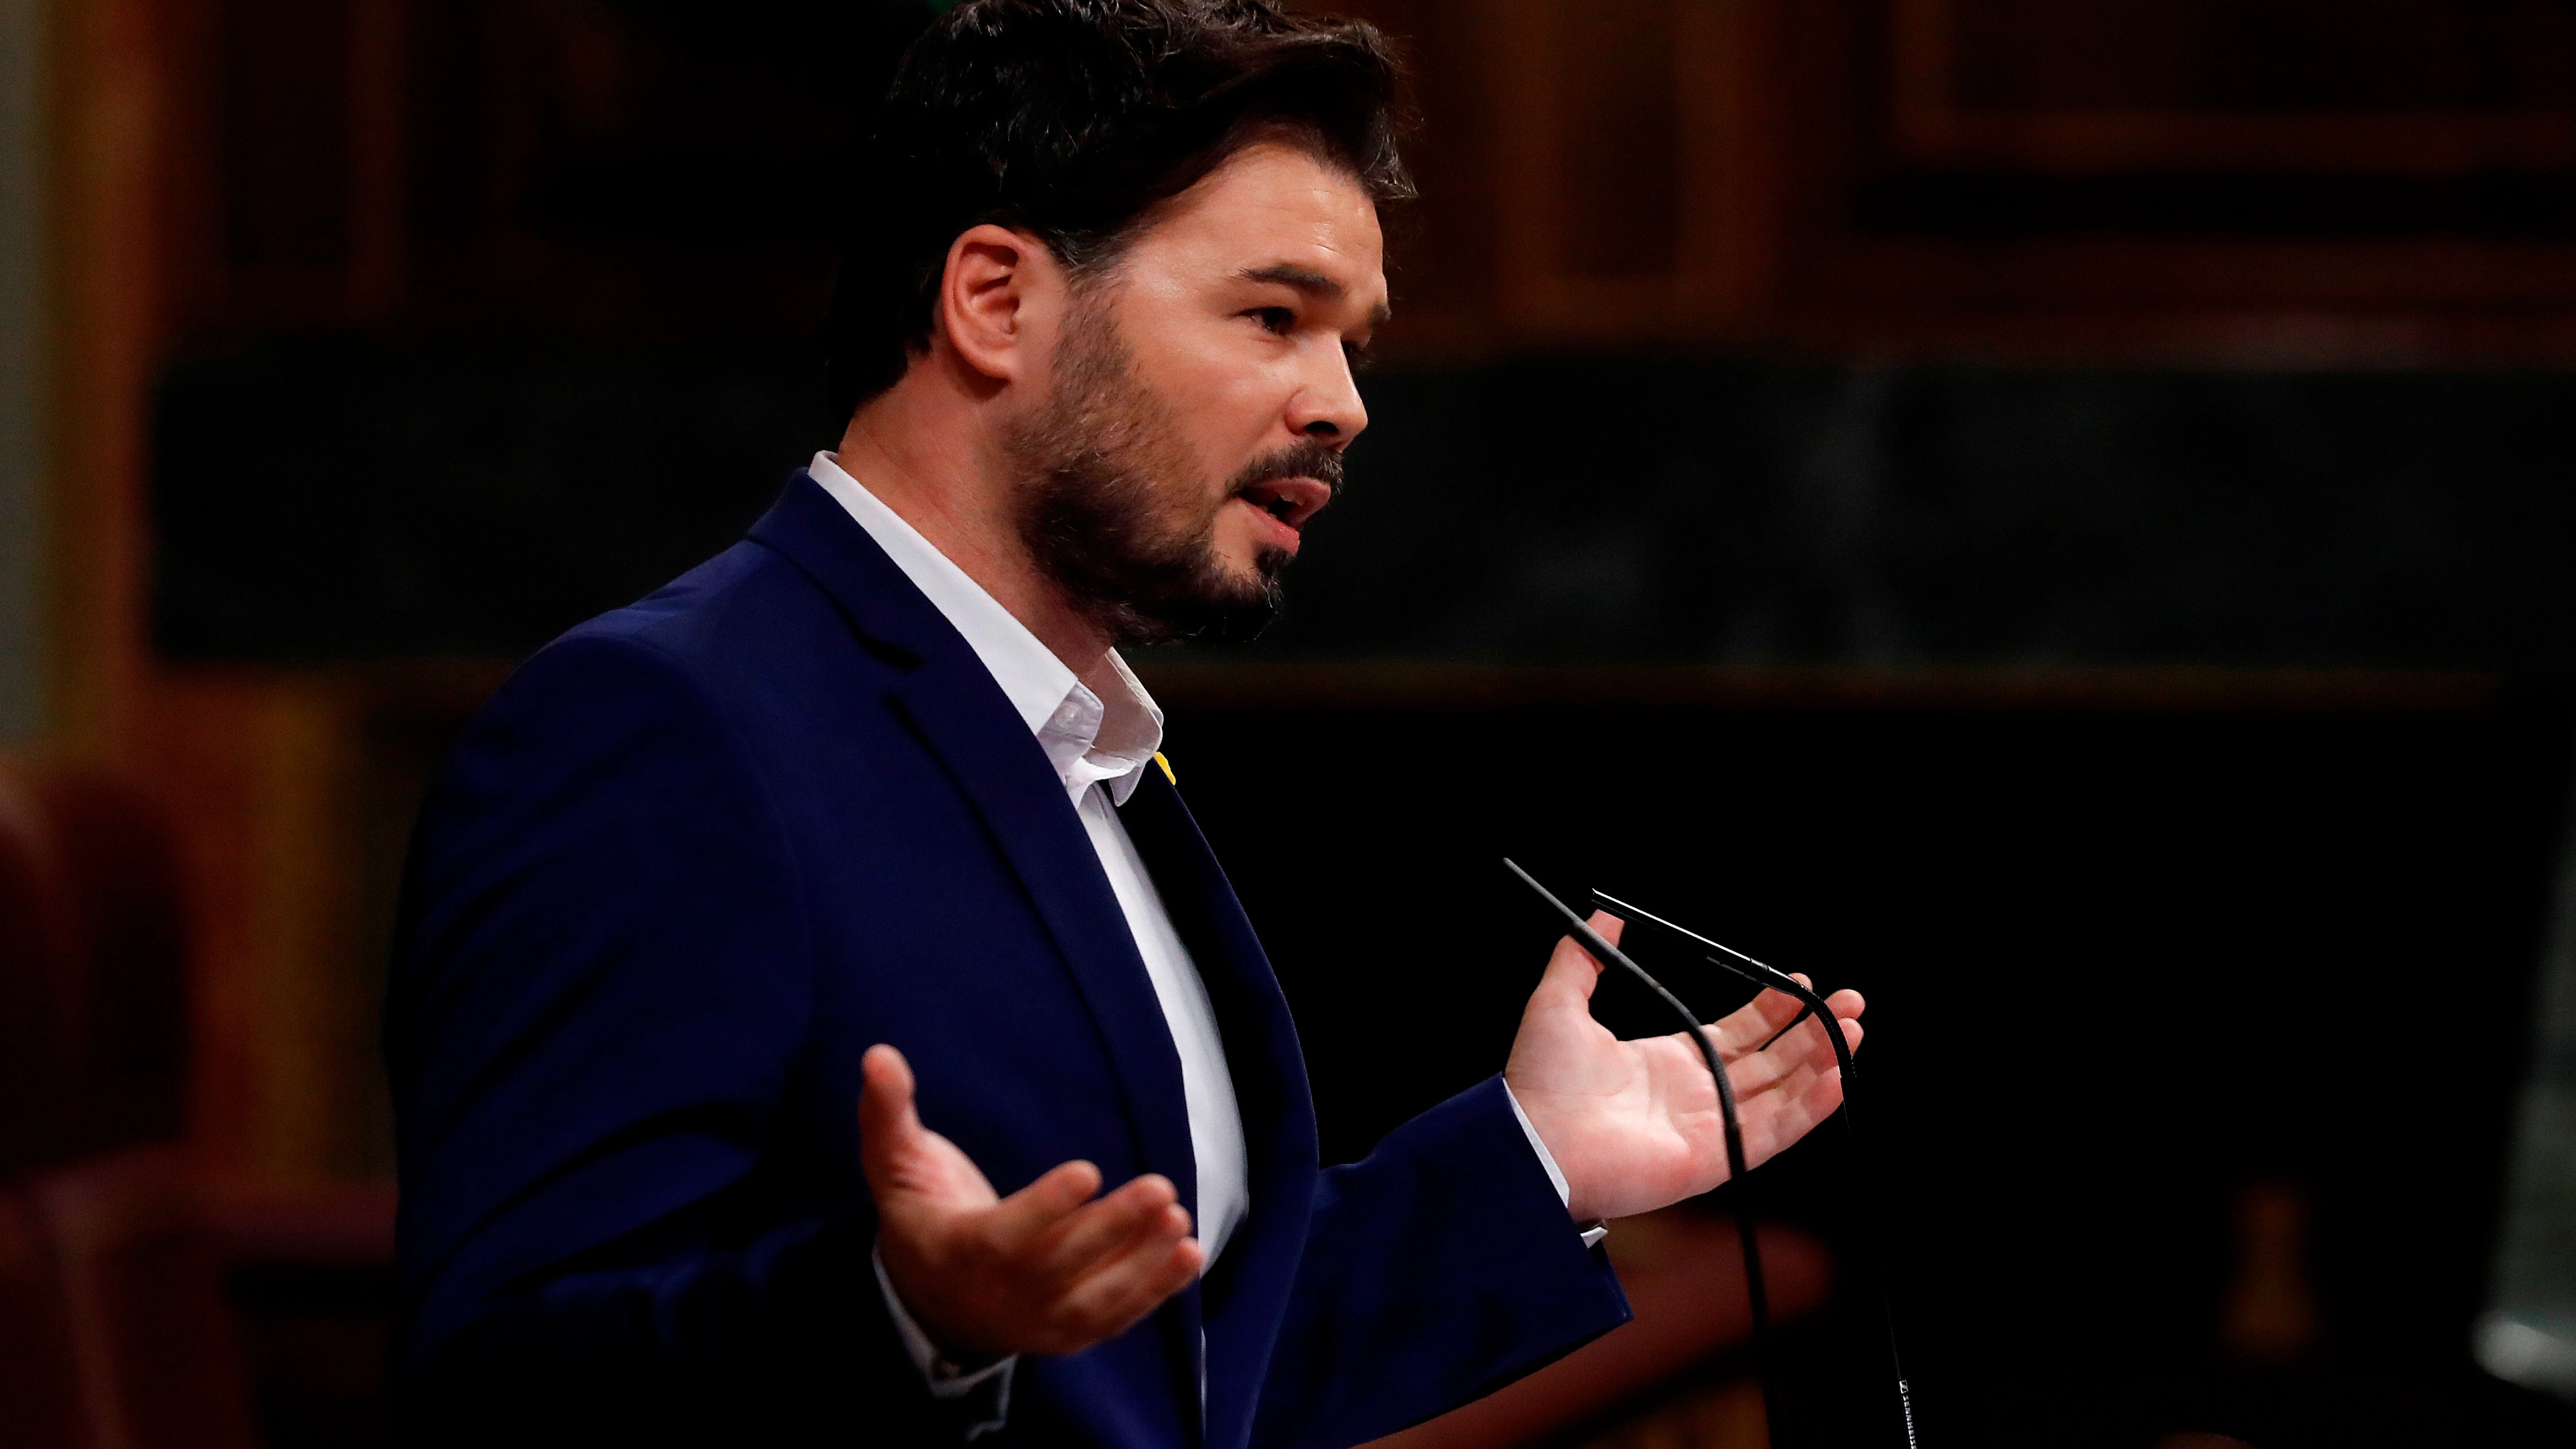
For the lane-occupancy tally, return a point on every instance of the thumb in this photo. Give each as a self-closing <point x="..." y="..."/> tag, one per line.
<point x="1571" y="969"/>
<point x="888" y="1123"/>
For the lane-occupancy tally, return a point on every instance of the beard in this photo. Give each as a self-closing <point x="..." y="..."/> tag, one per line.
<point x="1115" y="513"/>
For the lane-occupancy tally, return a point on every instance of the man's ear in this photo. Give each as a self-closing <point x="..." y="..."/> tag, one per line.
<point x="999" y="300"/>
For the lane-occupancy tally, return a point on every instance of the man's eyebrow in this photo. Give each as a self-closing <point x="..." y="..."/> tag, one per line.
<point x="1311" y="282"/>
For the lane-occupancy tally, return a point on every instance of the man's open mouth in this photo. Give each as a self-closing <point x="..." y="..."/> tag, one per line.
<point x="1290" y="500"/>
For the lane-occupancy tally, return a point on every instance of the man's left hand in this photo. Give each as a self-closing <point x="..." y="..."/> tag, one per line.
<point x="1634" y="1125"/>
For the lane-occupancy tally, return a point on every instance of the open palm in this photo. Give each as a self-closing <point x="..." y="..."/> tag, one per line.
<point x="1049" y="1269"/>
<point x="1635" y="1124"/>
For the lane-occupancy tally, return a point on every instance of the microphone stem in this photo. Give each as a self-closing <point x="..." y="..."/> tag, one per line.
<point x="1810" y="1004"/>
<point x="1874" y="1249"/>
<point x="1756" y="1290"/>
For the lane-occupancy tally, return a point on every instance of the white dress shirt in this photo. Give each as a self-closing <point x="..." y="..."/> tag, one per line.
<point x="1100" y="730"/>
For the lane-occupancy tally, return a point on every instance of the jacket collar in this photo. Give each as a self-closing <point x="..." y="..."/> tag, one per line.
<point x="818" y="536"/>
<point x="1096" y="725"/>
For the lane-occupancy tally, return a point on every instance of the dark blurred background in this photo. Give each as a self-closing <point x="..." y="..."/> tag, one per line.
<point x="2058" y="513"/>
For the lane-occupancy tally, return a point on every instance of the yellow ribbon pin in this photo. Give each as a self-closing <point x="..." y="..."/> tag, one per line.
<point x="1167" y="768"/>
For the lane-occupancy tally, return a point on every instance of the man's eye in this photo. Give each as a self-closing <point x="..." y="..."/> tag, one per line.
<point x="1274" y="319"/>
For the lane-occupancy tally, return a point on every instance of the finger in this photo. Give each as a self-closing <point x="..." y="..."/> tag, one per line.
<point x="1808" y="1038"/>
<point x="1078" y="1244"/>
<point x="888" y="1122"/>
<point x="1757" y="1021"/>
<point x="1804" y="1099"/>
<point x="1823" y="1097"/>
<point x="1675" y="1062"/>
<point x="1770" y="1011"/>
<point x="1149" y="1268"/>
<point x="1788" y="1110"/>
<point x="1845" y="1002"/>
<point x="1804" y="1048"/>
<point x="1756" y="1073"/>
<point x="1035" y="1210"/>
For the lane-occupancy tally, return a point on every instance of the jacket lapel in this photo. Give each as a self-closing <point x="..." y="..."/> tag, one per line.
<point x="962" y="715"/>
<point x="1243" y="1298"/>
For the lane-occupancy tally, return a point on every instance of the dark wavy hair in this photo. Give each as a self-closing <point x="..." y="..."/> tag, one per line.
<point x="1071" y="119"/>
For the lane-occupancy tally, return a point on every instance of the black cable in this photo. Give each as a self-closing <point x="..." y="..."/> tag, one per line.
<point x="1761" y="975"/>
<point x="1756" y="1291"/>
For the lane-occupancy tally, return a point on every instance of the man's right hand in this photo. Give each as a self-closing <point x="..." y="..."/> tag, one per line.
<point x="1045" y="1270"/>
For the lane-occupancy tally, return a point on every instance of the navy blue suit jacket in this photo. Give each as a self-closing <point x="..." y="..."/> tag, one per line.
<point x="687" y="865"/>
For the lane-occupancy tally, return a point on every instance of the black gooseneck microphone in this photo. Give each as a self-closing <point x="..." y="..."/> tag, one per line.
<point x="1755" y="1289"/>
<point x="1759" y="974"/>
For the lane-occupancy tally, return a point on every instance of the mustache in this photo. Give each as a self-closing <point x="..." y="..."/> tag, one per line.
<point x="1298" y="460"/>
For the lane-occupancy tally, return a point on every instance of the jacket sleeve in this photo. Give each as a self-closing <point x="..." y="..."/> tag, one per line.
<point x="1437" y="1269"/>
<point x="599" y="1008"/>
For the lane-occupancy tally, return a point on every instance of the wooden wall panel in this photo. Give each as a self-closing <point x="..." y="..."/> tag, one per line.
<point x="1618" y="183"/>
<point x="1628" y="196"/>
<point x="112" y="118"/>
<point x="2092" y="176"/>
<point x="294" y="792"/>
<point x="2215" y="180"/>
<point x="2399" y="87"/>
<point x="2387" y="181"/>
<point x="286" y="169"/>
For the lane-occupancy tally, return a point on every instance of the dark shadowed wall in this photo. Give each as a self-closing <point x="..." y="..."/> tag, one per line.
<point x="326" y="498"/>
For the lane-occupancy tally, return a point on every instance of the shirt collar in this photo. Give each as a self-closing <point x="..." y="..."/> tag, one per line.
<point x="1096" y="727"/>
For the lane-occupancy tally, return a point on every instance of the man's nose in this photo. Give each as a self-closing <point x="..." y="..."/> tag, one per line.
<point x="1328" y="408"/>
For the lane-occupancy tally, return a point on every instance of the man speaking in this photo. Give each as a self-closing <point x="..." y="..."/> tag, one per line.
<point x="816" y="1018"/>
